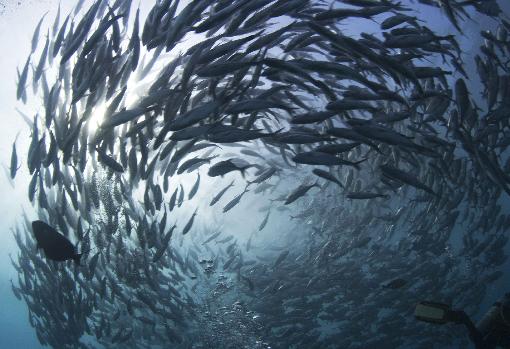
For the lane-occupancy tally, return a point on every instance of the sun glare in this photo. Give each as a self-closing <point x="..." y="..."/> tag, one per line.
<point x="97" y="117"/>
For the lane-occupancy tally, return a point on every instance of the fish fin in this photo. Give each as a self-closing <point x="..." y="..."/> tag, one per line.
<point x="243" y="169"/>
<point x="77" y="258"/>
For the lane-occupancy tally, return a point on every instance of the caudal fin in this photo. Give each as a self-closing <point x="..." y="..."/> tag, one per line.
<point x="243" y="170"/>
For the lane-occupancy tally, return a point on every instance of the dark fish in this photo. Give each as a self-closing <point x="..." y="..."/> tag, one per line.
<point x="399" y="175"/>
<point x="193" y="163"/>
<point x="235" y="200"/>
<point x="173" y="200"/>
<point x="283" y="255"/>
<point x="194" y="188"/>
<point x="223" y="167"/>
<point x="188" y="225"/>
<point x="35" y="36"/>
<point x="249" y="283"/>
<point x="14" y="160"/>
<point x="313" y="117"/>
<point x="109" y="161"/>
<point x="55" y="245"/>
<point x="21" y="88"/>
<point x="218" y="196"/>
<point x="164" y="244"/>
<point x="326" y="159"/>
<point x="93" y="263"/>
<point x="395" y="284"/>
<point x="337" y="148"/>
<point x="264" y="221"/>
<point x="265" y="175"/>
<point x="212" y="237"/>
<point x="365" y="195"/>
<point x="299" y="192"/>
<point x="328" y="176"/>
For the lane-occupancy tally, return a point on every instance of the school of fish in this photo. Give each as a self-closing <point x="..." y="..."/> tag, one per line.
<point x="385" y="157"/>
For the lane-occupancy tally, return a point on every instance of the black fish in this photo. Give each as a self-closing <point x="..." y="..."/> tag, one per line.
<point x="223" y="167"/>
<point x="395" y="283"/>
<point x="55" y="245"/>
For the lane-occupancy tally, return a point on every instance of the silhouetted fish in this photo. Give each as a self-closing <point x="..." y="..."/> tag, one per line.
<point x="395" y="283"/>
<point x="55" y="245"/>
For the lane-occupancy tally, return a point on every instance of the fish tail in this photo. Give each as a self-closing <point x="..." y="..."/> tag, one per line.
<point x="243" y="170"/>
<point x="276" y="132"/>
<point x="77" y="258"/>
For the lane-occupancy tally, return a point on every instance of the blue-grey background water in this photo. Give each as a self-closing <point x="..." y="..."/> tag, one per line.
<point x="17" y="22"/>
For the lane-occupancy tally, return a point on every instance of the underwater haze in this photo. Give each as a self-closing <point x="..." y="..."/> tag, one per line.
<point x="252" y="173"/>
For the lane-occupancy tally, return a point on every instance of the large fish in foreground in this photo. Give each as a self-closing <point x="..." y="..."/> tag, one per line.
<point x="55" y="245"/>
